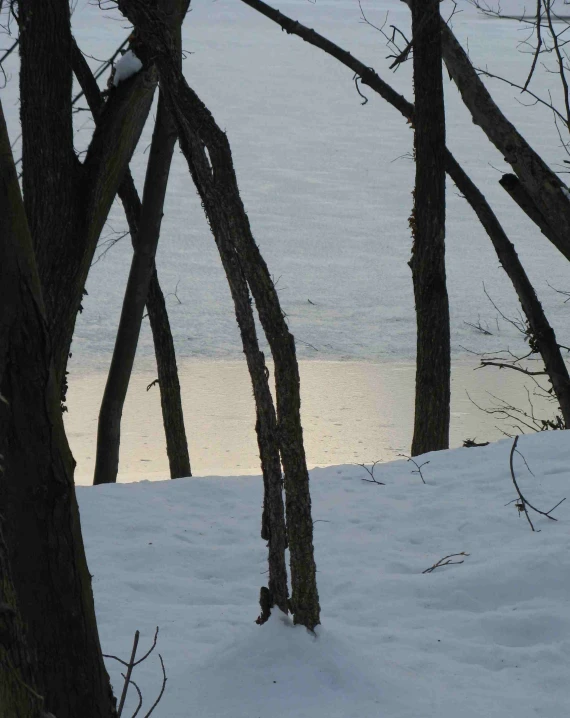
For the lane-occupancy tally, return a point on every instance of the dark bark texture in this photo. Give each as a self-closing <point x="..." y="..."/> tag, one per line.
<point x="18" y="696"/>
<point x="41" y="527"/>
<point x="66" y="202"/>
<point x="432" y="412"/>
<point x="142" y="268"/>
<point x="214" y="176"/>
<point x="169" y="383"/>
<point x="545" y="189"/>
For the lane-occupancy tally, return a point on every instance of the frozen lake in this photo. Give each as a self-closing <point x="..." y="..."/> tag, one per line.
<point x="352" y="412"/>
<point x="327" y="185"/>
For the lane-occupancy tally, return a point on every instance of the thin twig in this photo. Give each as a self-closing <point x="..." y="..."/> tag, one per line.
<point x="444" y="562"/>
<point x="370" y="471"/>
<point x="164" y="679"/>
<point x="130" y="667"/>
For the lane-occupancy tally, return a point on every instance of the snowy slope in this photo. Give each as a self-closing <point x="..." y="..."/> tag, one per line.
<point x="488" y="638"/>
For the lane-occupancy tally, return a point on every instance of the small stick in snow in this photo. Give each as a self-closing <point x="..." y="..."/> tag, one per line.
<point x="418" y="466"/>
<point x="370" y="472"/>
<point x="523" y="503"/>
<point x="446" y="562"/>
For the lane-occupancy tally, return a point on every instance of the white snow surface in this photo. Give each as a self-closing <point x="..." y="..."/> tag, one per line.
<point x="126" y="67"/>
<point x="486" y="638"/>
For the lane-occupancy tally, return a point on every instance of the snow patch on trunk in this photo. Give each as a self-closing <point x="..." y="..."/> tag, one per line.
<point x="127" y="66"/>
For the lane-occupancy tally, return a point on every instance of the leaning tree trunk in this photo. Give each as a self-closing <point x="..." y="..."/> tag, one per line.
<point x="544" y="187"/>
<point x="165" y="353"/>
<point x="142" y="270"/>
<point x="41" y="517"/>
<point x="142" y="267"/>
<point x="207" y="151"/>
<point x="431" y="422"/>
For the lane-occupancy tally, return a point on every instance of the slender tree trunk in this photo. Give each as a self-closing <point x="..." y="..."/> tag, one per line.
<point x="431" y="423"/>
<point x="543" y="186"/>
<point x="541" y="330"/>
<point x="142" y="267"/>
<point x="169" y="384"/>
<point x="215" y="179"/>
<point x="42" y="529"/>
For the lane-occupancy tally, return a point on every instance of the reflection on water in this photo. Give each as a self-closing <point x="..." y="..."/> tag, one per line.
<point x="352" y="412"/>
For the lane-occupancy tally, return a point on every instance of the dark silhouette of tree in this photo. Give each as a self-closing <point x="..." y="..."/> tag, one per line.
<point x="433" y="360"/>
<point x="41" y="526"/>
<point x="209" y="158"/>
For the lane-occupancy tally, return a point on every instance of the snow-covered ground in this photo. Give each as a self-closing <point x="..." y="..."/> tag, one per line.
<point x="488" y="638"/>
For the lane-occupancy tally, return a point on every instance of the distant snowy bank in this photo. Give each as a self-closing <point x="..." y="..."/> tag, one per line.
<point x="488" y="637"/>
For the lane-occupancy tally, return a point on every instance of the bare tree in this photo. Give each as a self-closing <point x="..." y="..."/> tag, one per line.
<point x="165" y="353"/>
<point x="208" y="154"/>
<point x="41" y="518"/>
<point x="142" y="270"/>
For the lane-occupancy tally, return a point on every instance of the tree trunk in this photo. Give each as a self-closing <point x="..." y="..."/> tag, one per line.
<point x="18" y="696"/>
<point x="432" y="412"/>
<point x="546" y="190"/>
<point x="42" y="529"/>
<point x="169" y="384"/>
<point x="542" y="332"/>
<point x="215" y="179"/>
<point x="142" y="267"/>
<point x="66" y="202"/>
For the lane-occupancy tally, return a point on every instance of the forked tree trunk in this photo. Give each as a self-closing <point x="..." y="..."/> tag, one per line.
<point x="432" y="410"/>
<point x="142" y="268"/>
<point x="42" y="529"/>
<point x="207" y="151"/>
<point x="67" y="203"/>
<point x="165" y="353"/>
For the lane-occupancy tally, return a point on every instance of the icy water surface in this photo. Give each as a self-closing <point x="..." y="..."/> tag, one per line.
<point x="351" y="411"/>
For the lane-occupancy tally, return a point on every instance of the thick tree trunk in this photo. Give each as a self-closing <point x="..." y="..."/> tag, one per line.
<point x="42" y="529"/>
<point x="215" y="179"/>
<point x="548" y="347"/>
<point x="18" y="696"/>
<point x="142" y="268"/>
<point x="169" y="384"/>
<point x="432" y="412"/>
<point x="67" y="203"/>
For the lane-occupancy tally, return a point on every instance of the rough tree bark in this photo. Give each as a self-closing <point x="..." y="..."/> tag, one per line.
<point x="207" y="151"/>
<point x="42" y="529"/>
<point x="433" y="369"/>
<point x="165" y="353"/>
<point x="545" y="189"/>
<point x="546" y="340"/>
<point x="18" y="696"/>
<point x="66" y="202"/>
